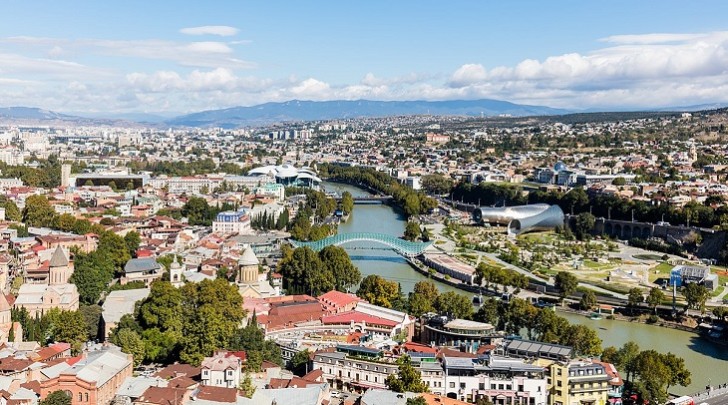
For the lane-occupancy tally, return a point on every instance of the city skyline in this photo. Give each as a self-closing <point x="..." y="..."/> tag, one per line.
<point x="159" y="58"/>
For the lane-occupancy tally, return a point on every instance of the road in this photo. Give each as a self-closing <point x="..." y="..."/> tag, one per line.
<point x="719" y="400"/>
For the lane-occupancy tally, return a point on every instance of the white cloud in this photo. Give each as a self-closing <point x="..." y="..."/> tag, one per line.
<point x="220" y="30"/>
<point x="208" y="54"/>
<point x="468" y="74"/>
<point x="650" y="70"/>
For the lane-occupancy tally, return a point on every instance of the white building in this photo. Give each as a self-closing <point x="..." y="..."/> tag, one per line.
<point x="230" y="222"/>
<point x="221" y="370"/>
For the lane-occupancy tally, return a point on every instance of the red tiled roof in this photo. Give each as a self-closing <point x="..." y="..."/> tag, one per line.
<point x="217" y="394"/>
<point x="357" y="317"/>
<point x="338" y="299"/>
<point x="419" y="348"/>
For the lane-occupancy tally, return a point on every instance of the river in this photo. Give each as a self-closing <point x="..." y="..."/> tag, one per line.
<point x="707" y="361"/>
<point x="372" y="258"/>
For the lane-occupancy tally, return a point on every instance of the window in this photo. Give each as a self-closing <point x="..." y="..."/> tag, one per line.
<point x="86" y="395"/>
<point x="520" y="387"/>
<point x="492" y="386"/>
<point x="500" y="386"/>
<point x="462" y="386"/>
<point x="452" y="385"/>
<point x="80" y="397"/>
<point x="481" y="386"/>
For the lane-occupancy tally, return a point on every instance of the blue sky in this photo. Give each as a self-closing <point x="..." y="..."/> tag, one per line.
<point x="182" y="56"/>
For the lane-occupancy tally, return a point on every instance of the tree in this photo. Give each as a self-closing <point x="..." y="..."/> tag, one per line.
<point x="212" y="311"/>
<point x="132" y="240"/>
<point x="38" y="211"/>
<point x="336" y="261"/>
<point x="114" y="248"/>
<point x="92" y="317"/>
<point x="69" y="327"/>
<point x="252" y="339"/>
<point x="12" y="213"/>
<point x="566" y="283"/>
<point x="378" y="291"/>
<point x="347" y="202"/>
<point x="583" y="225"/>
<point x="56" y="398"/>
<point x="583" y="339"/>
<point x="303" y="272"/>
<point x="679" y="374"/>
<point x="626" y="356"/>
<point x="407" y="379"/>
<point x="416" y="401"/>
<point x="619" y="181"/>
<point x="437" y="184"/>
<point x="412" y="231"/>
<point x="609" y="355"/>
<point x="247" y="386"/>
<point x="588" y="300"/>
<point x="299" y="362"/>
<point x="655" y="297"/>
<point x="454" y="304"/>
<point x="696" y="295"/>
<point x="423" y="298"/>
<point x="634" y="298"/>
<point x="131" y="343"/>
<point x="197" y="211"/>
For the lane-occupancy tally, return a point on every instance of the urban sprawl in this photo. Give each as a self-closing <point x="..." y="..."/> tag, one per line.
<point x="207" y="266"/>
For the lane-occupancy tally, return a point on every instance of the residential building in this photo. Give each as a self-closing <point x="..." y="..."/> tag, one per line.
<point x="230" y="222"/>
<point x="94" y="379"/>
<point x="141" y="269"/>
<point x="221" y="370"/>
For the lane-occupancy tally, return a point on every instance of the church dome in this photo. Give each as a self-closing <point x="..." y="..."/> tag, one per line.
<point x="248" y="258"/>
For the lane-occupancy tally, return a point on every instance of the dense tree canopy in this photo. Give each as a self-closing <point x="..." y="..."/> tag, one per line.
<point x="379" y="291"/>
<point x="184" y="324"/>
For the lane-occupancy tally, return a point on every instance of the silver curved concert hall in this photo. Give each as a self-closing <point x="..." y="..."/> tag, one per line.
<point x="522" y="218"/>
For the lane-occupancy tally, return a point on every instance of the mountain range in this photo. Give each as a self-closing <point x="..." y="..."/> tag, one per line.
<point x="298" y="110"/>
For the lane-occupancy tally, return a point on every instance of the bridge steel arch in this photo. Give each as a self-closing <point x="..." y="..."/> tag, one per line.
<point x="401" y="246"/>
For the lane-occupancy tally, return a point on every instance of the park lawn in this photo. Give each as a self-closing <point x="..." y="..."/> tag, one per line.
<point x="648" y="256"/>
<point x="544" y="238"/>
<point x="662" y="270"/>
<point x="596" y="265"/>
<point x="717" y="290"/>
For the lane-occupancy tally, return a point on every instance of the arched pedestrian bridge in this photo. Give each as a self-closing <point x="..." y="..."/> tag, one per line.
<point x="401" y="246"/>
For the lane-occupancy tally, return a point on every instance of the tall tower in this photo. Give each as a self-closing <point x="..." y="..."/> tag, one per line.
<point x="65" y="175"/>
<point x="175" y="273"/>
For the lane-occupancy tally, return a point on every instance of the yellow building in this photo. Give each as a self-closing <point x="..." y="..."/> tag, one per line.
<point x="578" y="383"/>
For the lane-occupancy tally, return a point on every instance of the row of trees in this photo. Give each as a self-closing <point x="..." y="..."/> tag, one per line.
<point x="265" y="221"/>
<point x="181" y="168"/>
<point x="489" y="274"/>
<point x="412" y="202"/>
<point x="649" y="374"/>
<point x="307" y="272"/>
<point x="542" y="324"/>
<point x="73" y="327"/>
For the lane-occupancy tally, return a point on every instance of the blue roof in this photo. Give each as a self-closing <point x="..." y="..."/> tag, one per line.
<point x="141" y="265"/>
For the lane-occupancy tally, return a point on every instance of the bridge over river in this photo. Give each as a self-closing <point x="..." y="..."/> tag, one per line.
<point x="401" y="246"/>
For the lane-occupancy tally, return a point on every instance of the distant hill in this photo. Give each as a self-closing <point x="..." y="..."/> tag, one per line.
<point x="298" y="110"/>
<point x="30" y="113"/>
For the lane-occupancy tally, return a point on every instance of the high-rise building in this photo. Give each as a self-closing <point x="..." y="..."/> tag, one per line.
<point x="65" y="175"/>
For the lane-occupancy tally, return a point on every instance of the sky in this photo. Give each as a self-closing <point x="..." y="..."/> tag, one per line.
<point x="172" y="57"/>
